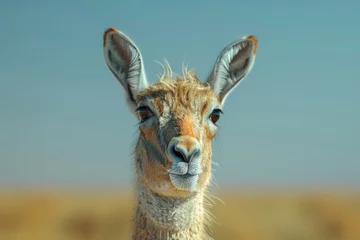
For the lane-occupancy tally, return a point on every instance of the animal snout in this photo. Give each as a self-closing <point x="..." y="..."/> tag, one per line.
<point x="184" y="149"/>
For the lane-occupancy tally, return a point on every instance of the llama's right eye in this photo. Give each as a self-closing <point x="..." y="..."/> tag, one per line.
<point x="144" y="113"/>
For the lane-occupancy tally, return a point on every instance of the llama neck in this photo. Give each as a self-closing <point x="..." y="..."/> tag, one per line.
<point x="159" y="217"/>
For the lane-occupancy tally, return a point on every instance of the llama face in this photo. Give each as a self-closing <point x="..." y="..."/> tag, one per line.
<point x="177" y="123"/>
<point x="177" y="117"/>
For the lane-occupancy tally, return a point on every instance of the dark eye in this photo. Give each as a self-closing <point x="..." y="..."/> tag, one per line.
<point x="215" y="115"/>
<point x="144" y="113"/>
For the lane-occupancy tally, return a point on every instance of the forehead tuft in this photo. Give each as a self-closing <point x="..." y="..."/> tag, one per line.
<point x="185" y="89"/>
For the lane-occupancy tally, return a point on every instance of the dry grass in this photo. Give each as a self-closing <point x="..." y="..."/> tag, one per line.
<point x="107" y="215"/>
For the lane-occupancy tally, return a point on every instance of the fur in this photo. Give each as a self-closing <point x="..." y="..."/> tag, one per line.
<point x="173" y="152"/>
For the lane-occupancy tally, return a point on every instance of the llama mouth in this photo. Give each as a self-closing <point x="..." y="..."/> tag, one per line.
<point x="183" y="169"/>
<point x="187" y="175"/>
<point x="185" y="181"/>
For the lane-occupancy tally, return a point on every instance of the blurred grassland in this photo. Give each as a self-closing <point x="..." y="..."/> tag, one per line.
<point x="107" y="215"/>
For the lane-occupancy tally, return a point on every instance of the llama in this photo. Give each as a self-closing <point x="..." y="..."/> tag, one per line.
<point x="177" y="121"/>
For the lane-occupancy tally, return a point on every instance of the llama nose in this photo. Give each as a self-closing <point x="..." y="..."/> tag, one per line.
<point x="184" y="148"/>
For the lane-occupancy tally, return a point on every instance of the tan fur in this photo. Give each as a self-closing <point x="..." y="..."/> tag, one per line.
<point x="178" y="118"/>
<point x="184" y="96"/>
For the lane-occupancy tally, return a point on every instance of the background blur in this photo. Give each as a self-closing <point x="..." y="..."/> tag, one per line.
<point x="287" y="159"/>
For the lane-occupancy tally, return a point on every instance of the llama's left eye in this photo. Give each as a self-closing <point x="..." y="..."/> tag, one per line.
<point x="215" y="115"/>
<point x="144" y="113"/>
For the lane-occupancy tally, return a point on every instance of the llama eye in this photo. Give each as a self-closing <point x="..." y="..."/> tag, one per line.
<point x="144" y="113"/>
<point x="215" y="115"/>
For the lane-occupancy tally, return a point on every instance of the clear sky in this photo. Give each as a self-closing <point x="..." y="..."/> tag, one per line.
<point x="294" y="121"/>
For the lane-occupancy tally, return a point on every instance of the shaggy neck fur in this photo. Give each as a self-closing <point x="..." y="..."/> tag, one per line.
<point x="169" y="218"/>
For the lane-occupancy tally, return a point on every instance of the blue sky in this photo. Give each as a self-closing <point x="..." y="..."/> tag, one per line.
<point x="294" y="121"/>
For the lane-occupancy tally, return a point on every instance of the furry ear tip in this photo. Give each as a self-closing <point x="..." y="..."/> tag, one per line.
<point x="106" y="33"/>
<point x="255" y="42"/>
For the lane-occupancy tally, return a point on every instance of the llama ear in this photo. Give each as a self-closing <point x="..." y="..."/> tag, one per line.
<point x="124" y="60"/>
<point x="232" y="65"/>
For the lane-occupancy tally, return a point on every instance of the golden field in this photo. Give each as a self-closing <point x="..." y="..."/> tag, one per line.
<point x="107" y="214"/>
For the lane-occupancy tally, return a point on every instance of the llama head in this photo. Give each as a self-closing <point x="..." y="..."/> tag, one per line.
<point x="177" y="116"/>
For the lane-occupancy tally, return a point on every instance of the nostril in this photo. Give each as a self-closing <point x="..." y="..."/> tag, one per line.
<point x="195" y="152"/>
<point x="180" y="154"/>
<point x="184" y="149"/>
